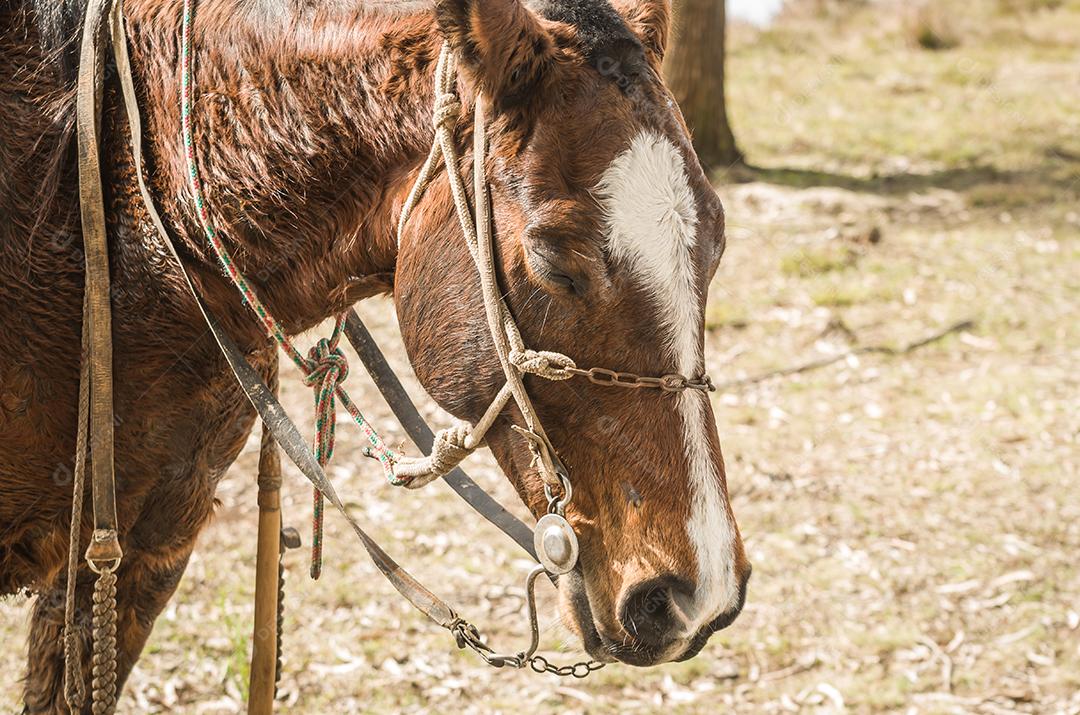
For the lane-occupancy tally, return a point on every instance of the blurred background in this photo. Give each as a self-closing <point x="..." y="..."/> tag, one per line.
<point x="895" y="327"/>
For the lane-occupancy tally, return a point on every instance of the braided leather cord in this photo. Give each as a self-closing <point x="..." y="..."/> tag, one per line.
<point x="103" y="681"/>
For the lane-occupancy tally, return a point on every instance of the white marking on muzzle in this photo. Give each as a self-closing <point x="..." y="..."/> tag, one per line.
<point x="651" y="216"/>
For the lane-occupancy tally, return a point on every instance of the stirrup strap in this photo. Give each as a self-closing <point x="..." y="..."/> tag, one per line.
<point x="95" y="410"/>
<point x="104" y="550"/>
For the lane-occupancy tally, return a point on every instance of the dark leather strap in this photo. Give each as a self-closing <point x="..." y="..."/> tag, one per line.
<point x="265" y="403"/>
<point x="104" y="549"/>
<point x="418" y="430"/>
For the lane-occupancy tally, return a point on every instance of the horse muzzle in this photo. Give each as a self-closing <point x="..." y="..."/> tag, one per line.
<point x="651" y="628"/>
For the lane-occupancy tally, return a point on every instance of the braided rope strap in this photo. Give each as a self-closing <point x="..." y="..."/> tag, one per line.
<point x="103" y="681"/>
<point x="74" y="687"/>
<point x="279" y="641"/>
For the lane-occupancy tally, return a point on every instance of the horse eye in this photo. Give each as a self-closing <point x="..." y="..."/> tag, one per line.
<point x="547" y="267"/>
<point x="562" y="280"/>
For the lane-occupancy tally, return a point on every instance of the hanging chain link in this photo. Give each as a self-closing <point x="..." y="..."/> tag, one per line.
<point x="469" y="637"/>
<point x="581" y="670"/>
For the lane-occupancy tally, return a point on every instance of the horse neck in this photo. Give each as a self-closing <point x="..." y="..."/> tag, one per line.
<point x="308" y="126"/>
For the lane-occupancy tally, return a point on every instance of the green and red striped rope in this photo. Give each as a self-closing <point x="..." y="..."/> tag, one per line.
<point x="325" y="368"/>
<point x="331" y="370"/>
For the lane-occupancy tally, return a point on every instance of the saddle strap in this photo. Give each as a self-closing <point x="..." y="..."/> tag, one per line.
<point x="95" y="410"/>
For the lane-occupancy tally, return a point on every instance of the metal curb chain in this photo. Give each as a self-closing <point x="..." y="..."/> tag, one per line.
<point x="667" y="383"/>
<point x="581" y="670"/>
<point x="469" y="637"/>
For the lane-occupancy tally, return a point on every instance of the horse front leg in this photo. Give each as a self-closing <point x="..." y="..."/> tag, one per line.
<point x="144" y="586"/>
<point x="157" y="547"/>
<point x="187" y="449"/>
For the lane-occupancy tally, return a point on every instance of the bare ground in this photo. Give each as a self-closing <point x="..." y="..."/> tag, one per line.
<point x="912" y="520"/>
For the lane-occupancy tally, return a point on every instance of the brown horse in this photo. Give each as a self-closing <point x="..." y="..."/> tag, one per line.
<point x="311" y="122"/>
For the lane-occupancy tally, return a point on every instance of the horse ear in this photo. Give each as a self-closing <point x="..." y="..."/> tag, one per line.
<point x="651" y="22"/>
<point x="502" y="44"/>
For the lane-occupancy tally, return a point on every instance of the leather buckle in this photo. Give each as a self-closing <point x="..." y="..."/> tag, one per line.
<point x="104" y="553"/>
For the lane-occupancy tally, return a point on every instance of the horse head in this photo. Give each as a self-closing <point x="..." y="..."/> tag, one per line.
<point x="607" y="233"/>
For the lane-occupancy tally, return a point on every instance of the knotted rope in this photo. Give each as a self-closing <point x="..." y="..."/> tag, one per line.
<point x="453" y="444"/>
<point x="445" y="119"/>
<point x="327" y="368"/>
<point x="447" y="111"/>
<point x="543" y="363"/>
<point x="450" y="448"/>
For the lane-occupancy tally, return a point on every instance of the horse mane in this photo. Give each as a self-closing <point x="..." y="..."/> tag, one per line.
<point x="58" y="26"/>
<point x="57" y="23"/>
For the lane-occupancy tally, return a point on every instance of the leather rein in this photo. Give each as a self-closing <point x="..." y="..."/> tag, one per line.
<point x="553" y="542"/>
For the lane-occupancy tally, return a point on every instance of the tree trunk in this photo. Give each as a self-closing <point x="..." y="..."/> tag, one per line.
<point x="695" y="73"/>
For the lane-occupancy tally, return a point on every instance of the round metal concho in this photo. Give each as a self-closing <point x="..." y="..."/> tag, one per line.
<point x="556" y="544"/>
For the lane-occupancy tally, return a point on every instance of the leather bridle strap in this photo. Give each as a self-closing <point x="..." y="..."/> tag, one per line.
<point x="422" y="436"/>
<point x="95" y="410"/>
<point x="104" y="549"/>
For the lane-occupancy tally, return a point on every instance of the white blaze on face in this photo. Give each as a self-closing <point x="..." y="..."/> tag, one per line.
<point x="652" y="218"/>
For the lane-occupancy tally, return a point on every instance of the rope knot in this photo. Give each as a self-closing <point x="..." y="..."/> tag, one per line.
<point x="327" y="365"/>
<point x="447" y="111"/>
<point x="450" y="449"/>
<point x="543" y="363"/>
<point x="326" y="368"/>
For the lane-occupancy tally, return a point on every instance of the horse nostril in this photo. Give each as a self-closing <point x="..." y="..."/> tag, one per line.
<point x="648" y="612"/>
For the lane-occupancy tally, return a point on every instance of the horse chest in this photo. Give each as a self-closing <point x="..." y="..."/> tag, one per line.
<point x="180" y="419"/>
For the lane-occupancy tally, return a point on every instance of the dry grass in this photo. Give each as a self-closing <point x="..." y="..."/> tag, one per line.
<point x="913" y="521"/>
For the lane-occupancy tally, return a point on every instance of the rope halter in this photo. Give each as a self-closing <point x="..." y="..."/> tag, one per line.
<point x="452" y="445"/>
